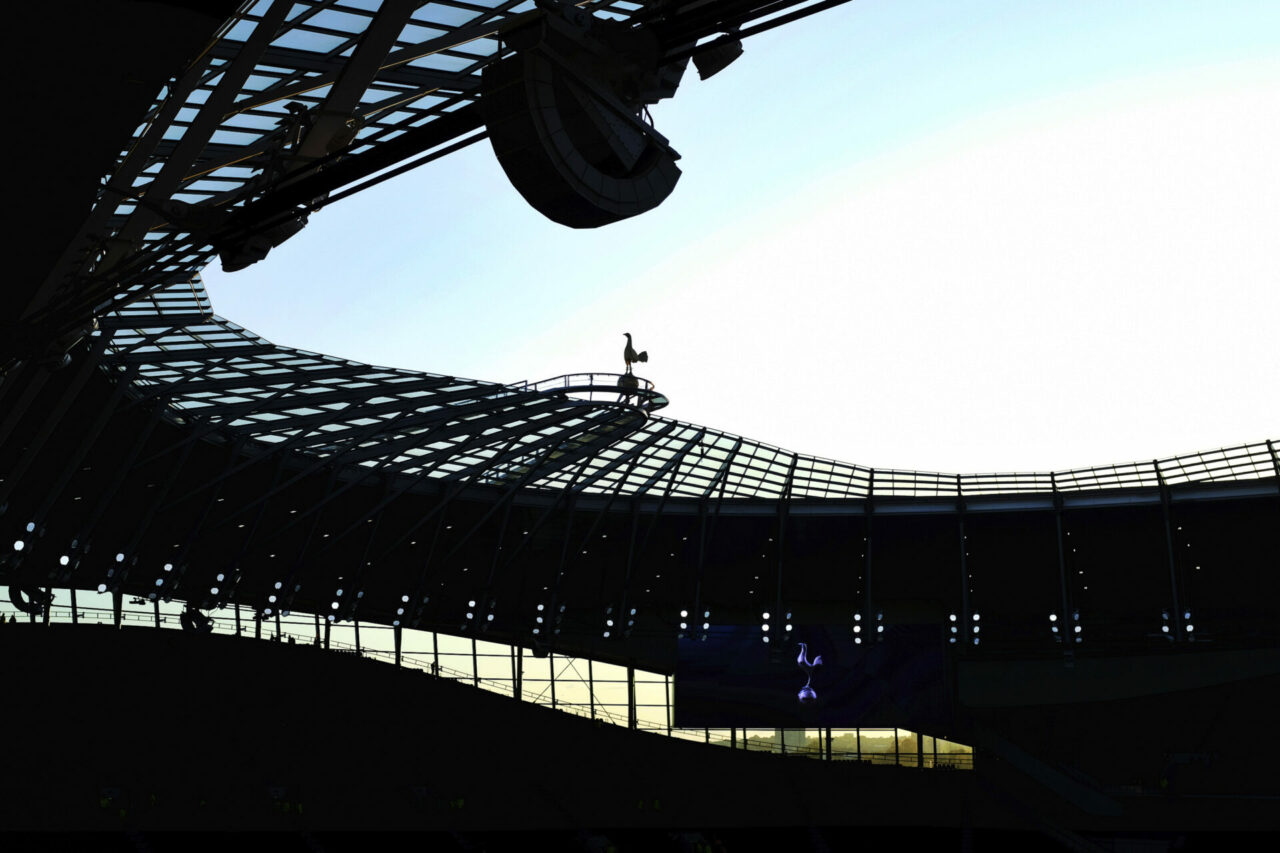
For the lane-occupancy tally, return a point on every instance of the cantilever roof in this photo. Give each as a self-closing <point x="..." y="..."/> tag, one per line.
<point x="227" y="381"/>
<point x="401" y="67"/>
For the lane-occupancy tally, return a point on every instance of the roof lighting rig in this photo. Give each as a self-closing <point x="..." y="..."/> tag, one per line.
<point x="290" y="106"/>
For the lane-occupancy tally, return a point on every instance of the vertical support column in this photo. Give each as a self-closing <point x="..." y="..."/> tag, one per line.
<point x="318" y="640"/>
<point x="155" y="608"/>
<point x="435" y="653"/>
<point x="551" y="662"/>
<point x="1065" y="621"/>
<point x="784" y="508"/>
<point x="517" y="687"/>
<point x="396" y="637"/>
<point x="257" y="624"/>
<point x="117" y="606"/>
<point x="1178" y="629"/>
<point x="633" y="720"/>
<point x="868" y="510"/>
<point x="667" y="685"/>
<point x="48" y="608"/>
<point x="965" y="619"/>
<point x="857" y="740"/>
<point x="356" y="624"/>
<point x="966" y="582"/>
<point x="279" y="630"/>
<point x="733" y="738"/>
<point x="897" y="754"/>
<point x="919" y="750"/>
<point x="828" y="750"/>
<point x="75" y="614"/>
<point x="237" y="608"/>
<point x="327" y="631"/>
<point x="475" y="664"/>
<point x="591" y="687"/>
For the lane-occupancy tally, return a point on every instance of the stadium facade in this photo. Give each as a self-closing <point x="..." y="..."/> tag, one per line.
<point x="1106" y="633"/>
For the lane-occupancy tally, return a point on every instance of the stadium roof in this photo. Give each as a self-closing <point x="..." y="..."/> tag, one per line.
<point x="314" y="448"/>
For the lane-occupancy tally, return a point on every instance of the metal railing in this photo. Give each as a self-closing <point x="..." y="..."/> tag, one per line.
<point x="625" y="388"/>
<point x="951" y="755"/>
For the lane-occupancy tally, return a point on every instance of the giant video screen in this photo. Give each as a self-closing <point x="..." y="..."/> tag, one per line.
<point x="816" y="676"/>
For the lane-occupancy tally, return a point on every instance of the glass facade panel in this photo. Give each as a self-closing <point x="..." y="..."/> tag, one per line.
<point x="878" y="746"/>
<point x="721" y="737"/>
<point x="535" y="669"/>
<point x="457" y="665"/>
<point x="378" y="638"/>
<point x="579" y="686"/>
<point x="844" y="744"/>
<point x="907" y="743"/>
<point x="417" y="643"/>
<point x="494" y="665"/>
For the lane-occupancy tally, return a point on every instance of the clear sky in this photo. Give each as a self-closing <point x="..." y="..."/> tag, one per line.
<point x="949" y="236"/>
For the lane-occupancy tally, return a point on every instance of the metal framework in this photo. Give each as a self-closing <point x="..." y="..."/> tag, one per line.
<point x="582" y="433"/>
<point x="290" y="102"/>
<point x="334" y="474"/>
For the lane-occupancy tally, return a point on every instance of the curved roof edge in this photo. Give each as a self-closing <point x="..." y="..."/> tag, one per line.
<point x="211" y="370"/>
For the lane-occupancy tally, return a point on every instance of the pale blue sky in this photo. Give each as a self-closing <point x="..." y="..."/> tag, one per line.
<point x="952" y="236"/>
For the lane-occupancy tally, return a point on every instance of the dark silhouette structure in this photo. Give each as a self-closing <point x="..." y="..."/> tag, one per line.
<point x="1111" y="633"/>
